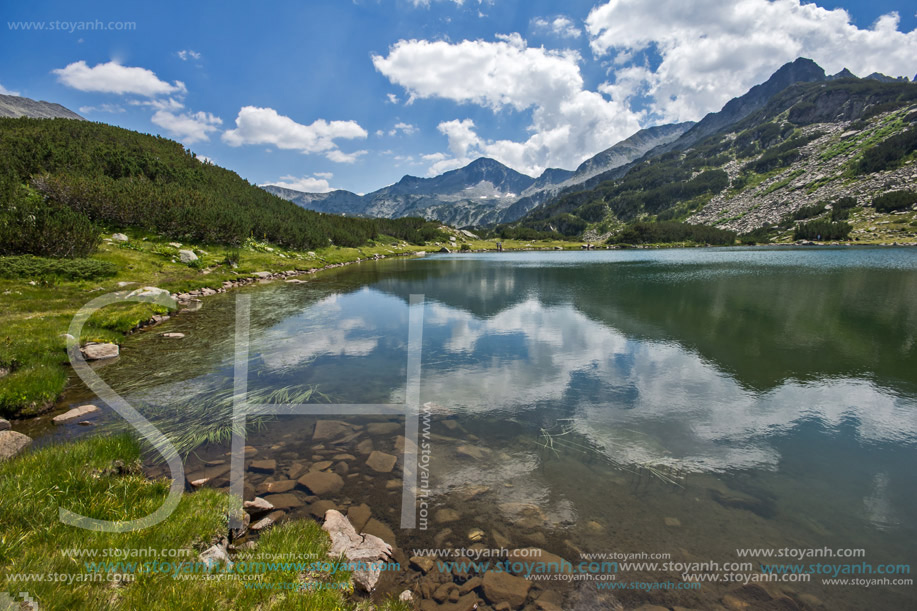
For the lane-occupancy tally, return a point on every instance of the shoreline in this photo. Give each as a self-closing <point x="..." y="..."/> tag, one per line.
<point x="185" y="299"/>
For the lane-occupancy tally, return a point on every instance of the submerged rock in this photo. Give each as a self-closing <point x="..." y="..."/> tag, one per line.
<point x="330" y="429"/>
<point x="321" y="482"/>
<point x="500" y="587"/>
<point x="381" y="462"/>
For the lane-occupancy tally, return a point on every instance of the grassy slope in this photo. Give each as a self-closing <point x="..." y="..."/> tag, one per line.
<point x="36" y="315"/>
<point x="33" y="540"/>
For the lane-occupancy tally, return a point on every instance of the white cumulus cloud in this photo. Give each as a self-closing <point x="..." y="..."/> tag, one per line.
<point x="266" y="126"/>
<point x="112" y="77"/>
<point x="5" y="91"/>
<point x="405" y="128"/>
<point x="187" y="127"/>
<point x="569" y="123"/>
<point x="714" y="50"/>
<point x="339" y="156"/>
<point x="109" y="108"/>
<point x="186" y="54"/>
<point x="560" y="26"/>
<point x="317" y="183"/>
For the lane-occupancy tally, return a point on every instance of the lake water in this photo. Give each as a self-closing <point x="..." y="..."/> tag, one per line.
<point x="683" y="402"/>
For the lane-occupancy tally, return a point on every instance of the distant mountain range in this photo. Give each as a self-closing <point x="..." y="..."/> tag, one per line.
<point x="486" y="192"/>
<point x="13" y="106"/>
<point x="483" y="192"/>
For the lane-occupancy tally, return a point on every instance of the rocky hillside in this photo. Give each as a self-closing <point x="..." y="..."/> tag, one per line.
<point x="13" y="106"/>
<point x="811" y="144"/>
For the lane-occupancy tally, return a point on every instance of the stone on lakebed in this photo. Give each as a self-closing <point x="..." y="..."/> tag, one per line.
<point x="321" y="482"/>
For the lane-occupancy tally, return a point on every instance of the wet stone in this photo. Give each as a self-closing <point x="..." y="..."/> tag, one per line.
<point x="281" y="486"/>
<point x="381" y="462"/>
<point x="359" y="515"/>
<point x="321" y="482"/>
<point x="267" y="521"/>
<point x="446" y="515"/>
<point x="383" y="428"/>
<point x="321" y="465"/>
<point x="263" y="466"/>
<point x="318" y="508"/>
<point x="329" y="429"/>
<point x="285" y="501"/>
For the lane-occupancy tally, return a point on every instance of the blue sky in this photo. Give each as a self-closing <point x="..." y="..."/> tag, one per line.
<point x="354" y="94"/>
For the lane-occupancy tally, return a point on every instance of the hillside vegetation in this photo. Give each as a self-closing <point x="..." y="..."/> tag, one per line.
<point x="60" y="180"/>
<point x="810" y="145"/>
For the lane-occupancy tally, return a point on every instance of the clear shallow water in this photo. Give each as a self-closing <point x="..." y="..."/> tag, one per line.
<point x="777" y="388"/>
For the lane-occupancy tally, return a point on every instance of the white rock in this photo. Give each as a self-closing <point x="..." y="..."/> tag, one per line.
<point x="175" y="244"/>
<point x="76" y="412"/>
<point x="215" y="556"/>
<point x="406" y="596"/>
<point x="97" y="352"/>
<point x="149" y="291"/>
<point x="119" y="237"/>
<point x="368" y="551"/>
<point x="172" y="335"/>
<point x="187" y="256"/>
<point x="12" y="443"/>
<point x="262" y="275"/>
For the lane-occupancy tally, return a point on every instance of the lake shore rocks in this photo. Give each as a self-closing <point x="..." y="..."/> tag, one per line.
<point x="75" y="413"/>
<point x="366" y="550"/>
<point x="98" y="352"/>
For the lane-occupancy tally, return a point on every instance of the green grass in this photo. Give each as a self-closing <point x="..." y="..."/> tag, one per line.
<point x="77" y="476"/>
<point x="48" y="270"/>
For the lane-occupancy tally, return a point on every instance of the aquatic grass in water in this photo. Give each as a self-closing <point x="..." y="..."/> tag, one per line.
<point x="669" y="474"/>
<point x="207" y="416"/>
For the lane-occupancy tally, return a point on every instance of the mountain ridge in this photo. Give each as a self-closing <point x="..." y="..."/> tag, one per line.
<point x="14" y="107"/>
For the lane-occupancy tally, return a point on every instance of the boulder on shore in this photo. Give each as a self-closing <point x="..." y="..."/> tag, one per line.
<point x="119" y="237"/>
<point x="368" y="552"/>
<point x="12" y="444"/>
<point x="98" y="352"/>
<point x="187" y="256"/>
